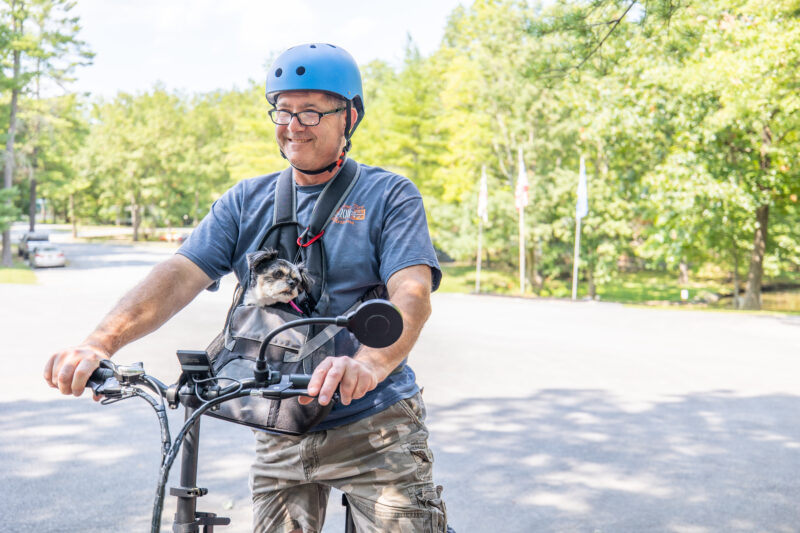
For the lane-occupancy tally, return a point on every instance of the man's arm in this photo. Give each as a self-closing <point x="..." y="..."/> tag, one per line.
<point x="167" y="289"/>
<point x="410" y="290"/>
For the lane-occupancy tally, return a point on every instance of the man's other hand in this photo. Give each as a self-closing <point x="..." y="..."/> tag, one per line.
<point x="69" y="370"/>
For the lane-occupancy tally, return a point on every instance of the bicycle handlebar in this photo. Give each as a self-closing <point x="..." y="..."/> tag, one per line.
<point x="109" y="382"/>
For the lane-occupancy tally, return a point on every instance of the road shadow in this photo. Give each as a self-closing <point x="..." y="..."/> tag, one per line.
<point x="556" y="461"/>
<point x="576" y="460"/>
<point x="75" y="466"/>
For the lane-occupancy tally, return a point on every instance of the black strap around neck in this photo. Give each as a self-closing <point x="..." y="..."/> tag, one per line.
<point x="295" y="243"/>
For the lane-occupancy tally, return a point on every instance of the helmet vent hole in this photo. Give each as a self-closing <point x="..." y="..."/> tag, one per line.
<point x="278" y="73"/>
<point x="300" y="71"/>
<point x="313" y="46"/>
<point x="331" y="46"/>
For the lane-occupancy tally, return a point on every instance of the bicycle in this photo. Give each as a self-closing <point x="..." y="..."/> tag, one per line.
<point x="375" y="323"/>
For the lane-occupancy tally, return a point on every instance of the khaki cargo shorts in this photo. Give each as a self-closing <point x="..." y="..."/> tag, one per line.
<point x="382" y="463"/>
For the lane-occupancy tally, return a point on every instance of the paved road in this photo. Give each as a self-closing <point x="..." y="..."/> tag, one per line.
<point x="545" y="415"/>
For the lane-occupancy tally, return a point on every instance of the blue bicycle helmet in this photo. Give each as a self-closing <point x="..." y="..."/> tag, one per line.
<point x="319" y="67"/>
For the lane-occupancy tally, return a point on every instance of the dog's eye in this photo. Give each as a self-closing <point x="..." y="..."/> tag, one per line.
<point x="278" y="274"/>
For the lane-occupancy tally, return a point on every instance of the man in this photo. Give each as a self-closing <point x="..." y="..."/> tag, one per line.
<point x="373" y="445"/>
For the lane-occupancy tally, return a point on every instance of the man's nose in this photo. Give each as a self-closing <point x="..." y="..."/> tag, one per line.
<point x="294" y="124"/>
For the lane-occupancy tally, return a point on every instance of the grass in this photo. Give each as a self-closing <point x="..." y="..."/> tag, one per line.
<point x="636" y="288"/>
<point x="20" y="273"/>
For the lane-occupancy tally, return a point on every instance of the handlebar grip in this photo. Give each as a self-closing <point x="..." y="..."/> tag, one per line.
<point x="99" y="382"/>
<point x="99" y="376"/>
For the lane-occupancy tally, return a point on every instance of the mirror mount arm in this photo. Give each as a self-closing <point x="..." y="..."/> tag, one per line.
<point x="375" y="323"/>
<point x="263" y="373"/>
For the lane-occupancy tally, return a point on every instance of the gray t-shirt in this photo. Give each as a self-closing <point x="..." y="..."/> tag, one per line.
<point x="381" y="228"/>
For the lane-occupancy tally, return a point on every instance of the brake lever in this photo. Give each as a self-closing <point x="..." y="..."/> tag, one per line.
<point x="110" y="388"/>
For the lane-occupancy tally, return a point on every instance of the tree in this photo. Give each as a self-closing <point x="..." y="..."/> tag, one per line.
<point x="40" y="42"/>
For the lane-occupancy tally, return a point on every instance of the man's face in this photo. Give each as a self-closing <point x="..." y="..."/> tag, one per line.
<point x="310" y="147"/>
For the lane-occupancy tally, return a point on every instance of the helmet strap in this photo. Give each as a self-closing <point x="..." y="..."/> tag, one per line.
<point x="336" y="164"/>
<point x="347" y="132"/>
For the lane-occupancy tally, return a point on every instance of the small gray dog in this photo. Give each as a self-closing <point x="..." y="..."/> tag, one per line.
<point x="274" y="280"/>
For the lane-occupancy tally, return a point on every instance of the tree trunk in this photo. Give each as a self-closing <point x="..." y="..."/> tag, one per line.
<point x="683" y="276"/>
<point x="752" y="294"/>
<point x="34" y="163"/>
<point x="736" y="284"/>
<point x="72" y="216"/>
<point x="32" y="203"/>
<point x="135" y="217"/>
<point x="8" y="171"/>
<point x="536" y="276"/>
<point x="590" y="279"/>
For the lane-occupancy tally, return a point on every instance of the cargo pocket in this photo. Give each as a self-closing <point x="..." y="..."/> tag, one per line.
<point x="414" y="408"/>
<point x="423" y="456"/>
<point x="430" y="499"/>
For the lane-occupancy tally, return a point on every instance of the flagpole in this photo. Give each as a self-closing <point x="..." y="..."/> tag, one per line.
<point x="581" y="210"/>
<point x="576" y="258"/>
<point x="522" y="250"/>
<point x="480" y="245"/>
<point x="483" y="216"/>
<point x="521" y="200"/>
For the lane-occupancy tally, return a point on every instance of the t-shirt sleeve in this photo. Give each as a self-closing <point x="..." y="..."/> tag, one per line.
<point x="405" y="240"/>
<point x="212" y="244"/>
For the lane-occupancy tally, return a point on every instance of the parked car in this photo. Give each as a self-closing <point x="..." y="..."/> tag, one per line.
<point x="46" y="255"/>
<point x="29" y="240"/>
<point x="174" y="236"/>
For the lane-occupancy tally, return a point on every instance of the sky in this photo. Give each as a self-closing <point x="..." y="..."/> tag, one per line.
<point x="202" y="45"/>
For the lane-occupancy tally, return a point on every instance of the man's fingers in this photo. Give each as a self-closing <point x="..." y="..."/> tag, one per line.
<point x="332" y="378"/>
<point x="318" y="377"/>
<point x="351" y="378"/>
<point x="348" y="384"/>
<point x="48" y="370"/>
<point x="64" y="377"/>
<point x="365" y="384"/>
<point x="81" y="375"/>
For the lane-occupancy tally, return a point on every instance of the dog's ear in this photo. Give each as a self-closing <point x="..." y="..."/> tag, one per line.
<point x="259" y="257"/>
<point x="305" y="279"/>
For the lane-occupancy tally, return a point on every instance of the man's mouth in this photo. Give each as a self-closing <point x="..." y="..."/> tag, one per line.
<point x="299" y="140"/>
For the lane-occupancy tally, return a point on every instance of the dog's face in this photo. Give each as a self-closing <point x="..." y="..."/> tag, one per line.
<point x="275" y="280"/>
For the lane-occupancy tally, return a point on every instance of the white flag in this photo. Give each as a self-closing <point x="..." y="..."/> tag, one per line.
<point x="582" y="205"/>
<point x="483" y="198"/>
<point x="521" y="193"/>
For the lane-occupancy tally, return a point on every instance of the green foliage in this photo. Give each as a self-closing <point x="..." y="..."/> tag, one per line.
<point x="687" y="116"/>
<point x="8" y="211"/>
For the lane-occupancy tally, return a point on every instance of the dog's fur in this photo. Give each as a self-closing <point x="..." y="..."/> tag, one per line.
<point x="274" y="280"/>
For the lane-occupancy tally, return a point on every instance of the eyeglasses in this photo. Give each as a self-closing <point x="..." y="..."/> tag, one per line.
<point x="305" y="118"/>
